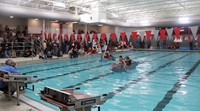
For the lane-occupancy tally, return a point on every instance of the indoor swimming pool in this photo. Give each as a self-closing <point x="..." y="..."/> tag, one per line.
<point x="163" y="81"/>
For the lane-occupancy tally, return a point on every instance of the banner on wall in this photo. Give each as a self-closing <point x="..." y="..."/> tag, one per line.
<point x="142" y="35"/>
<point x="194" y="30"/>
<point x="177" y="32"/>
<point x="148" y="34"/>
<point x="66" y="36"/>
<point x="95" y="37"/>
<point x="108" y="37"/>
<point x="60" y="37"/>
<point x="128" y="35"/>
<point x="113" y="35"/>
<point x="155" y="32"/>
<point x="54" y="36"/>
<point x="103" y="36"/>
<point x="76" y="36"/>
<point x="162" y="34"/>
<point x="69" y="36"/>
<point x="123" y="35"/>
<point x="134" y="35"/>
<point x="118" y="37"/>
<point x="87" y="37"/>
<point x="79" y="37"/>
<point x="83" y="37"/>
<point x="72" y="37"/>
<point x="169" y="33"/>
<point x="49" y="35"/>
<point x="45" y="36"/>
<point x="99" y="37"/>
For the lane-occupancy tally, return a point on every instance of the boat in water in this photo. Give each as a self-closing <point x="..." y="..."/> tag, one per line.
<point x="122" y="68"/>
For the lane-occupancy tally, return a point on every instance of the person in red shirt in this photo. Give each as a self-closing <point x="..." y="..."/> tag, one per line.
<point x="106" y="55"/>
<point x="89" y="51"/>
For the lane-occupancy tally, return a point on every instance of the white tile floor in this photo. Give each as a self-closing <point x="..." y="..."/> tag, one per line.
<point x="6" y="105"/>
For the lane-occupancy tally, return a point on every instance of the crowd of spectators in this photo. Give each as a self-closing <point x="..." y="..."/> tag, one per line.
<point x="18" y="43"/>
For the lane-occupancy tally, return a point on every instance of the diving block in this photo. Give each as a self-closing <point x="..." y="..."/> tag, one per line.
<point x="68" y="100"/>
<point x="16" y="83"/>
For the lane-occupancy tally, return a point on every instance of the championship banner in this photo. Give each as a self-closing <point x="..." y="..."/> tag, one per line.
<point x="169" y="33"/>
<point x="148" y="34"/>
<point x="123" y="35"/>
<point x="155" y="32"/>
<point x="177" y="32"/>
<point x="134" y="35"/>
<point x="113" y="35"/>
<point x="66" y="37"/>
<point x="194" y="31"/>
<point x="99" y="37"/>
<point x="162" y="34"/>
<point x="118" y="37"/>
<point x="142" y="35"/>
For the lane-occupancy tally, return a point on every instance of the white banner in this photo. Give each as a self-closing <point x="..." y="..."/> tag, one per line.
<point x="99" y="37"/>
<point x="194" y="31"/>
<point x="142" y="35"/>
<point x="108" y="37"/>
<point x="69" y="37"/>
<point x="155" y="32"/>
<point x="83" y="37"/>
<point x="128" y="34"/>
<point x="169" y="32"/>
<point x="118" y="36"/>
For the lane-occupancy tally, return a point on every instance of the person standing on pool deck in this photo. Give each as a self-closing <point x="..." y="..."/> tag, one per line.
<point x="10" y="67"/>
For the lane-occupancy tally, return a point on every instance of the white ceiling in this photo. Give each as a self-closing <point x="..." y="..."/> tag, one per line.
<point x="130" y="11"/>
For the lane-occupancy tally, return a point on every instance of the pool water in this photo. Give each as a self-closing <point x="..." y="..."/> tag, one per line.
<point x="163" y="81"/>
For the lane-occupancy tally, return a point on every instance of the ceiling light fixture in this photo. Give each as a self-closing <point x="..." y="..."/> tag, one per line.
<point x="36" y="19"/>
<point x="115" y="15"/>
<point x="184" y="20"/>
<point x="100" y="25"/>
<point x="11" y="16"/>
<point x="59" y="4"/>
<point x="144" y="23"/>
